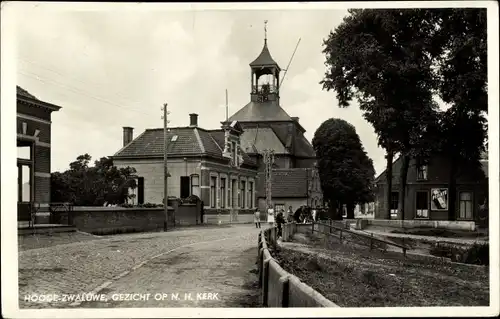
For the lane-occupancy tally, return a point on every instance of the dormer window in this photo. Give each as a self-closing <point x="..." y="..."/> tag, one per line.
<point x="233" y="152"/>
<point x="422" y="172"/>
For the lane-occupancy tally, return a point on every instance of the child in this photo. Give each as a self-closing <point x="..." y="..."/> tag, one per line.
<point x="256" y="218"/>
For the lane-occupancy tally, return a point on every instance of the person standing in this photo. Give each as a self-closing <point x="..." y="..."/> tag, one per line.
<point x="280" y="220"/>
<point x="289" y="216"/>
<point x="256" y="218"/>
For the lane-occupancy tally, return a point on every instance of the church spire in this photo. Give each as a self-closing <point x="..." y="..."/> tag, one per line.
<point x="265" y="32"/>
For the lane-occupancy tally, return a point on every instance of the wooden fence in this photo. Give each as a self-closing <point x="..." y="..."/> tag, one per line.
<point x="338" y="230"/>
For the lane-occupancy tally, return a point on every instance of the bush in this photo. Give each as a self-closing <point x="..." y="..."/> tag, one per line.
<point x="477" y="254"/>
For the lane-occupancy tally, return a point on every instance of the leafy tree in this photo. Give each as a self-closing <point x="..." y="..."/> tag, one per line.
<point x="346" y="172"/>
<point x="462" y="69"/>
<point x="93" y="186"/>
<point x="384" y="59"/>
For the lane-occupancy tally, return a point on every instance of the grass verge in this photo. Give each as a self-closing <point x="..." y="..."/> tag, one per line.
<point x="352" y="276"/>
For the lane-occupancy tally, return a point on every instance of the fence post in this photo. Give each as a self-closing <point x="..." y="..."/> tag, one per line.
<point x="265" y="281"/>
<point x="330" y="226"/>
<point x="371" y="242"/>
<point x="285" y="285"/>
<point x="341" y="235"/>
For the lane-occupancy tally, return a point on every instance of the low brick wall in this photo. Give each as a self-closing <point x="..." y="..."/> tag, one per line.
<point x="441" y="224"/>
<point x="280" y="288"/>
<point x="108" y="220"/>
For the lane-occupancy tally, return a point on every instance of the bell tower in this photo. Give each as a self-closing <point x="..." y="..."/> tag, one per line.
<point x="265" y="74"/>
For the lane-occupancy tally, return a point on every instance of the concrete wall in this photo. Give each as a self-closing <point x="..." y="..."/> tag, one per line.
<point x="280" y="288"/>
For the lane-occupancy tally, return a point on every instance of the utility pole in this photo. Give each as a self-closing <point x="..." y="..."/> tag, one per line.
<point x="269" y="161"/>
<point x="165" y="162"/>
<point x="227" y="107"/>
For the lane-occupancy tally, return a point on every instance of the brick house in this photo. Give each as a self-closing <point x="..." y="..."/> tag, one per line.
<point x="267" y="126"/>
<point x="427" y="191"/>
<point x="207" y="163"/>
<point x="292" y="187"/>
<point x="33" y="154"/>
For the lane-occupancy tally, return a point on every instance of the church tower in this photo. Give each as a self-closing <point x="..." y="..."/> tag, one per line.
<point x="265" y="73"/>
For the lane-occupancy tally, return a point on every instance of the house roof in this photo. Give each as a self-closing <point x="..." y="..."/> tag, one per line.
<point x="259" y="112"/>
<point x="258" y="139"/>
<point x="23" y="92"/>
<point x="264" y="58"/>
<point x="287" y="183"/>
<point x="381" y="177"/>
<point x="28" y="98"/>
<point x="190" y="141"/>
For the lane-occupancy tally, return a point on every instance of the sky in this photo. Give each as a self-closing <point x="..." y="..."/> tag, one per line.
<point x="109" y="69"/>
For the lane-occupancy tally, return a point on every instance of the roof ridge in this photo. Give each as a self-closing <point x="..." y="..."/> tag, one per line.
<point x="213" y="139"/>
<point x="198" y="138"/>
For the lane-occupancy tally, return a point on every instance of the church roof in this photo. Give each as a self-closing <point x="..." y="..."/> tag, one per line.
<point x="287" y="183"/>
<point x="262" y="111"/>
<point x="257" y="139"/>
<point x="264" y="58"/>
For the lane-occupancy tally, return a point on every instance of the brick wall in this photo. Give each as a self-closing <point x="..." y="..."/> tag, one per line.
<point x="111" y="219"/>
<point x="33" y="111"/>
<point x="42" y="159"/>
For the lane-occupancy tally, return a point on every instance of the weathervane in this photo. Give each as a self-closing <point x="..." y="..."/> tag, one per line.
<point x="265" y="30"/>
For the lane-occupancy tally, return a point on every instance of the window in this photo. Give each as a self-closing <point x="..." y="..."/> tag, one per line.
<point x="195" y="185"/>
<point x="24" y="152"/>
<point x="174" y="138"/>
<point x="140" y="190"/>
<point x="250" y="194"/>
<point x="24" y="183"/>
<point x="422" y="172"/>
<point x="222" y="193"/>
<point x="394" y="204"/>
<point x="278" y="208"/>
<point x="465" y="199"/>
<point x="422" y="204"/>
<point x="213" y="194"/>
<point x="233" y="152"/>
<point x="184" y="186"/>
<point x="234" y="191"/>
<point x="243" y="194"/>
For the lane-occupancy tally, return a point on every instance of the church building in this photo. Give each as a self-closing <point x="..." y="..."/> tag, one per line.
<point x="268" y="127"/>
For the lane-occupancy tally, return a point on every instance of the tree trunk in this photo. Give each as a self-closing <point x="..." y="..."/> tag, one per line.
<point x="338" y="211"/>
<point x="402" y="185"/>
<point x="388" y="175"/>
<point x="350" y="210"/>
<point x="452" y="189"/>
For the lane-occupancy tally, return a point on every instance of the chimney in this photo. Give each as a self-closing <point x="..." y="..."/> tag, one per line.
<point x="128" y="135"/>
<point x="296" y="119"/>
<point x="193" y="119"/>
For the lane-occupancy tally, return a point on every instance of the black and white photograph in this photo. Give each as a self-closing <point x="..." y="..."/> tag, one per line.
<point x="197" y="159"/>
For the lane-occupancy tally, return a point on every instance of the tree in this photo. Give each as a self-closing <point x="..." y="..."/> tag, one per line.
<point x="462" y="69"/>
<point x="383" y="59"/>
<point x="346" y="173"/>
<point x="83" y="185"/>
